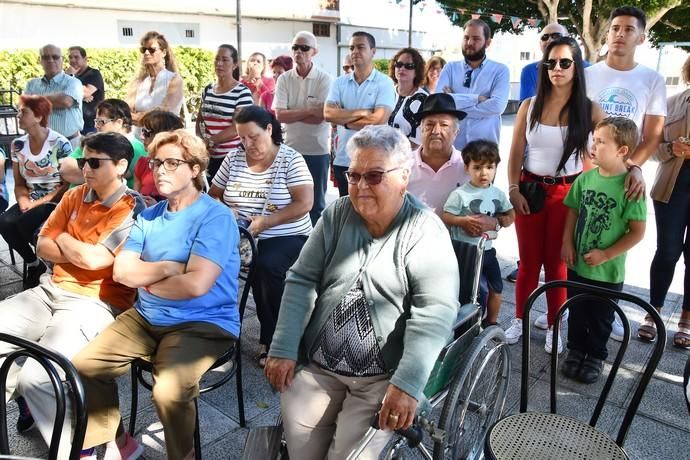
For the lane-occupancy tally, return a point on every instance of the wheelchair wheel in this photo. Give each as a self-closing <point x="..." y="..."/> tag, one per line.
<point x="476" y="397"/>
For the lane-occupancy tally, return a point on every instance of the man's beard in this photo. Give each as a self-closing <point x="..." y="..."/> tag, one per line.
<point x="478" y="56"/>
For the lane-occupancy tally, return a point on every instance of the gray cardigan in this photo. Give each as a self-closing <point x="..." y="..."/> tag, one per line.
<point x="410" y="278"/>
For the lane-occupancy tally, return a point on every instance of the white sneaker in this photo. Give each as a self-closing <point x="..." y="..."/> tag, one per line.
<point x="514" y="332"/>
<point x="542" y="321"/>
<point x="548" y="346"/>
<point x="617" y="329"/>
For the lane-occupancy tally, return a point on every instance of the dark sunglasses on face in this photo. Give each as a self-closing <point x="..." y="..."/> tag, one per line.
<point x="145" y="132"/>
<point x="302" y="48"/>
<point x="347" y="68"/>
<point x="54" y="57"/>
<point x="407" y="65"/>
<point x="151" y="50"/>
<point x="370" y="177"/>
<point x="94" y="163"/>
<point x="169" y="164"/>
<point x="564" y="63"/>
<point x="552" y="36"/>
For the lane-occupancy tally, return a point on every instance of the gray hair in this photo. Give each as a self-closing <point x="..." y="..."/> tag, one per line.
<point x="386" y="139"/>
<point x="308" y="36"/>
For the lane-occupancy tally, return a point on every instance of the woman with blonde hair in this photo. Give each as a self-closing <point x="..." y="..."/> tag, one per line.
<point x="158" y="85"/>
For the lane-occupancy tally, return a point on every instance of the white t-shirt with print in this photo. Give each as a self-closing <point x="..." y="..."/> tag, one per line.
<point x="627" y="93"/>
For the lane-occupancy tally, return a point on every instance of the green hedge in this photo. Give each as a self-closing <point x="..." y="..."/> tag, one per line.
<point x="382" y="65"/>
<point x="118" y="67"/>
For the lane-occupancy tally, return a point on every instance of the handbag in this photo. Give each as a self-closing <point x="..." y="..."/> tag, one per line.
<point x="535" y="194"/>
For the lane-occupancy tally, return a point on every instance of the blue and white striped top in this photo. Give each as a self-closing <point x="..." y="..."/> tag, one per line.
<point x="65" y="121"/>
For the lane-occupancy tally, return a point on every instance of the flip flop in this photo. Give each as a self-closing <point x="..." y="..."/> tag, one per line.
<point x="647" y="330"/>
<point x="681" y="339"/>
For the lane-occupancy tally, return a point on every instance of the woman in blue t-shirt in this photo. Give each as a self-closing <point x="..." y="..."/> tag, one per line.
<point x="182" y="255"/>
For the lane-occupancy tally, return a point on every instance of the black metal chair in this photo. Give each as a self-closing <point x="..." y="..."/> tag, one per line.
<point x="532" y="435"/>
<point x="686" y="383"/>
<point x="48" y="359"/>
<point x="233" y="355"/>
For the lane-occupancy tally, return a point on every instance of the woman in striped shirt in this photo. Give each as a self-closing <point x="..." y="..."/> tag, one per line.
<point x="220" y="103"/>
<point x="269" y="188"/>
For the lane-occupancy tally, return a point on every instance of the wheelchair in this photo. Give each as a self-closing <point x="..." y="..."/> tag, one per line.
<point x="467" y="388"/>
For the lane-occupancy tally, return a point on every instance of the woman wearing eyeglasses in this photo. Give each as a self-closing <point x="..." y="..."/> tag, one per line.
<point x="153" y="123"/>
<point x="367" y="307"/>
<point x="37" y="183"/>
<point x="157" y="85"/>
<point x="112" y="116"/>
<point x="269" y="188"/>
<point x="406" y="69"/>
<point x="434" y="66"/>
<point x="549" y="150"/>
<point x="182" y="256"/>
<point x="256" y="79"/>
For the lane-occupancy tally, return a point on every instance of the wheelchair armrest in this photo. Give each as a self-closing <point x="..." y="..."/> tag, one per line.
<point x="467" y="316"/>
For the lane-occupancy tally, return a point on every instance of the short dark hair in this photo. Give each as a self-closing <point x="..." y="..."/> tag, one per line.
<point x="418" y="62"/>
<point x="478" y="22"/>
<point x="159" y="121"/>
<point x="116" y="109"/>
<point x="81" y="50"/>
<point x="262" y="118"/>
<point x="481" y="151"/>
<point x="115" y="145"/>
<point x="630" y="11"/>
<point x="370" y="38"/>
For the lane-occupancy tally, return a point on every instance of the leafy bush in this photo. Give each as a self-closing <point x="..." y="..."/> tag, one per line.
<point x="118" y="67"/>
<point x="382" y="65"/>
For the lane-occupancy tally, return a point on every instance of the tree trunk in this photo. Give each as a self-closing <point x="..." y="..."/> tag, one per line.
<point x="552" y="7"/>
<point x="652" y="19"/>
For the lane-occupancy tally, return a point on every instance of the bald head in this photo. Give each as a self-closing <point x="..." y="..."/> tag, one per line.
<point x="51" y="60"/>
<point x="550" y="30"/>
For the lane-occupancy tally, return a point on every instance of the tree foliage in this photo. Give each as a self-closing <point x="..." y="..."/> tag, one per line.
<point x="666" y="19"/>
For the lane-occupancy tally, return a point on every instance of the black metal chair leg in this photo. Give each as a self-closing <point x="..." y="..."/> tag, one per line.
<point x="238" y="381"/>
<point x="135" y="401"/>
<point x="197" y="436"/>
<point x="14" y="262"/>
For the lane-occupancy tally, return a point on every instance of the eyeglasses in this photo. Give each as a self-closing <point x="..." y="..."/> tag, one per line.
<point x="151" y="50"/>
<point x="302" y="48"/>
<point x="370" y="177"/>
<point x="468" y="79"/>
<point x="347" y="68"/>
<point x="94" y="163"/>
<point x="145" y="132"/>
<point x="552" y="36"/>
<point x="169" y="164"/>
<point x="54" y="57"/>
<point x="564" y="63"/>
<point x="407" y="65"/>
<point x="101" y="121"/>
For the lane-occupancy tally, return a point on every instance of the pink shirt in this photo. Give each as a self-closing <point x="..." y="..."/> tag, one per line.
<point x="433" y="187"/>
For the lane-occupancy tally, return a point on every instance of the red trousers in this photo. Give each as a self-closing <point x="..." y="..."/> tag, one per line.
<point x="540" y="237"/>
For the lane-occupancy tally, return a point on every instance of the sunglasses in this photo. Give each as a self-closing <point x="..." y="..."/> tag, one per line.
<point x="407" y="65"/>
<point x="347" y="68"/>
<point x="370" y="177"/>
<point x="101" y="121"/>
<point x="145" y="132"/>
<point x="468" y="79"/>
<point x="564" y="63"/>
<point x="54" y="57"/>
<point x="552" y="36"/>
<point x="169" y="164"/>
<point x="151" y="50"/>
<point x="302" y="48"/>
<point x="94" y="163"/>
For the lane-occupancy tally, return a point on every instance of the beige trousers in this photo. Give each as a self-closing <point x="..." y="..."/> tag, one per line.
<point x="326" y="414"/>
<point x="180" y="354"/>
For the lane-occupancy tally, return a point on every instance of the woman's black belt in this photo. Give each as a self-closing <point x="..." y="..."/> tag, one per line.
<point x="550" y="180"/>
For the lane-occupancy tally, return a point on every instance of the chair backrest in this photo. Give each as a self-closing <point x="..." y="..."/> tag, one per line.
<point x="48" y="359"/>
<point x="589" y="293"/>
<point x="469" y="258"/>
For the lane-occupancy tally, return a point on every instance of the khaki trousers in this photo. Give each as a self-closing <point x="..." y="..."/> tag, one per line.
<point x="326" y="414"/>
<point x="180" y="355"/>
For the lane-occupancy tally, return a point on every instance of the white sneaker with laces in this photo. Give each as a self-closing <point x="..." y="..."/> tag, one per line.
<point x="542" y="321"/>
<point x="548" y="346"/>
<point x="514" y="332"/>
<point x="617" y="329"/>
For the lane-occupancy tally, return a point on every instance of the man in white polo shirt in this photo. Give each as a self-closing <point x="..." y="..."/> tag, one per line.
<point x="298" y="104"/>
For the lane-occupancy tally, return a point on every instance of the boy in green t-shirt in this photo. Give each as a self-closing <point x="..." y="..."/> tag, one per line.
<point x="602" y="224"/>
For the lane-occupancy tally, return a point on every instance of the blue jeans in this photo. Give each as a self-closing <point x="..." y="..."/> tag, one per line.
<point x="672" y="240"/>
<point x="318" y="167"/>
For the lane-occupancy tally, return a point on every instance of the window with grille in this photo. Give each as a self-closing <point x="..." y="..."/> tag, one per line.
<point x="321" y="29"/>
<point x="524" y="55"/>
<point x="127" y="32"/>
<point x="189" y="33"/>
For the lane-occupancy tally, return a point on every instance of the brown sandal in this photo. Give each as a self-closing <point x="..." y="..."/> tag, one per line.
<point x="647" y="330"/>
<point x="681" y="338"/>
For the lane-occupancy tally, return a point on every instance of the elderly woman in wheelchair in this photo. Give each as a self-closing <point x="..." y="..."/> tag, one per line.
<point x="367" y="307"/>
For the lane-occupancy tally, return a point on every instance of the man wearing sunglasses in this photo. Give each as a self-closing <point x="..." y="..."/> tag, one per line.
<point x="479" y="86"/>
<point x="298" y="104"/>
<point x="63" y="91"/>
<point x="362" y="98"/>
<point x="529" y="74"/>
<point x="66" y="311"/>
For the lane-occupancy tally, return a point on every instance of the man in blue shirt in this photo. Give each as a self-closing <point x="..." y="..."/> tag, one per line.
<point x="63" y="91"/>
<point x="479" y="86"/>
<point x="529" y="74"/>
<point x="358" y="99"/>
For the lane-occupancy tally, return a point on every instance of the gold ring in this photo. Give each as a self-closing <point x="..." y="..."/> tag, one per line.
<point x="393" y="416"/>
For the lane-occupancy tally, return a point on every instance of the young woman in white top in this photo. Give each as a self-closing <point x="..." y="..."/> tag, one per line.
<point x="157" y="86"/>
<point x="550" y="143"/>
<point x="269" y="188"/>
